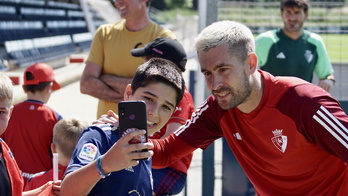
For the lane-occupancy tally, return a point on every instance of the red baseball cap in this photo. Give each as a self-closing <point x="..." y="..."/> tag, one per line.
<point x="42" y="73"/>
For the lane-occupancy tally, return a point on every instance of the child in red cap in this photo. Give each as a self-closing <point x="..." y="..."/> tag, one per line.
<point x="11" y="181"/>
<point x="30" y="129"/>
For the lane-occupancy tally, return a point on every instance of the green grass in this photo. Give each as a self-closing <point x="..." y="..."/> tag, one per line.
<point x="259" y="15"/>
<point x="337" y="47"/>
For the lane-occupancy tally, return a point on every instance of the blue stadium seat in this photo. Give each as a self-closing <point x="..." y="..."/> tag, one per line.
<point x="8" y="13"/>
<point x="66" y="27"/>
<point x="25" y="52"/>
<point x="17" y="30"/>
<point x="30" y="30"/>
<point x="82" y="41"/>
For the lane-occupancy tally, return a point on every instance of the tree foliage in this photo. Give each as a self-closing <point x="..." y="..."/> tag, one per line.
<point x="174" y="4"/>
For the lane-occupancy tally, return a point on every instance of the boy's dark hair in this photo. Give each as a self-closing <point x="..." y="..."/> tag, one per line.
<point x="34" y="88"/>
<point x="159" y="70"/>
<point x="304" y="4"/>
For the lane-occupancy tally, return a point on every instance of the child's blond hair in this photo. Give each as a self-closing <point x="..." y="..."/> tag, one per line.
<point x="6" y="87"/>
<point x="66" y="134"/>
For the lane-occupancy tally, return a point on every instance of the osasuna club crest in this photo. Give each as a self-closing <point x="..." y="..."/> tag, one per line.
<point x="279" y="140"/>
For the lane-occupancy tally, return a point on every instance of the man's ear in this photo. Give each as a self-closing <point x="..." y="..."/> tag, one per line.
<point x="252" y="62"/>
<point x="127" y="92"/>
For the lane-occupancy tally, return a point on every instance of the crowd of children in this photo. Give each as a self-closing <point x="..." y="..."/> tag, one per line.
<point x="42" y="132"/>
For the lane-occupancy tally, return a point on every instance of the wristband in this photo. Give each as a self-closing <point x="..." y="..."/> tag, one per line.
<point x="99" y="168"/>
<point x="330" y="77"/>
<point x="333" y="80"/>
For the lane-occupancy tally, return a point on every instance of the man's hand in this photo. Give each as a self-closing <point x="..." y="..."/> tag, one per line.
<point x="123" y="154"/>
<point x="111" y="118"/>
<point x="91" y="84"/>
<point x="326" y="84"/>
<point x="51" y="188"/>
<point x="117" y="83"/>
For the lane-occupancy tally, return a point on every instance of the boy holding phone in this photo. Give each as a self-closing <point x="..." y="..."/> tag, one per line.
<point x="170" y="180"/>
<point x="105" y="164"/>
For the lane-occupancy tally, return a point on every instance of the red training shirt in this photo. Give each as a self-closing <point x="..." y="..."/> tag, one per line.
<point x="294" y="143"/>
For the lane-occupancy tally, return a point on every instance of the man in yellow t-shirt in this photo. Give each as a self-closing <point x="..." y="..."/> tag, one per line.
<point x="110" y="65"/>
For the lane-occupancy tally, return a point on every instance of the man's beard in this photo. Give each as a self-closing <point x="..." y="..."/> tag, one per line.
<point x="297" y="27"/>
<point x="237" y="96"/>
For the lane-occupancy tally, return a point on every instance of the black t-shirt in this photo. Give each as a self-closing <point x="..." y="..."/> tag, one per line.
<point x="5" y="185"/>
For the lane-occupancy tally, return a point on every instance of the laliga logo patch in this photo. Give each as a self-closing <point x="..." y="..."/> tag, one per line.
<point x="88" y="152"/>
<point x="279" y="141"/>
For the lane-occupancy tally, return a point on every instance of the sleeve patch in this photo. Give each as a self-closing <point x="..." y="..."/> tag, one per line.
<point x="88" y="152"/>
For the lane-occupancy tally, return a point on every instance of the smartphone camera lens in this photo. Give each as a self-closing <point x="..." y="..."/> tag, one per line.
<point x="132" y="116"/>
<point x="122" y="111"/>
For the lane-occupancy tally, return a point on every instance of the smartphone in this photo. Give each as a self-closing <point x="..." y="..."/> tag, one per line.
<point x="132" y="114"/>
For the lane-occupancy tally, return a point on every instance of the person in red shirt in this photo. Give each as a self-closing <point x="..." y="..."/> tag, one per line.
<point x="66" y="133"/>
<point x="172" y="179"/>
<point x="30" y="129"/>
<point x="11" y="181"/>
<point x="289" y="136"/>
